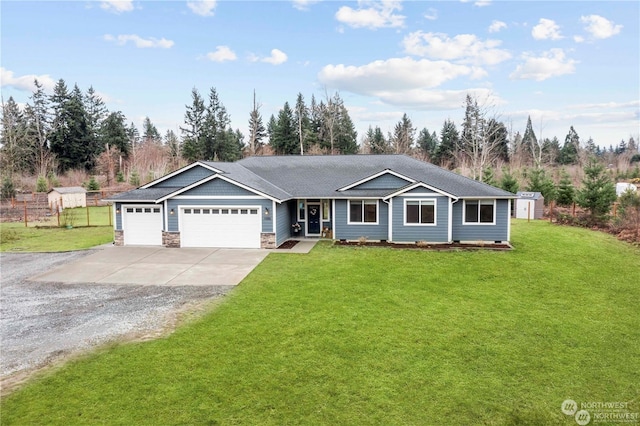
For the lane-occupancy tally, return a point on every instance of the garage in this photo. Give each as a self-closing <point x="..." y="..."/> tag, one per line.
<point x="142" y="225"/>
<point x="232" y="227"/>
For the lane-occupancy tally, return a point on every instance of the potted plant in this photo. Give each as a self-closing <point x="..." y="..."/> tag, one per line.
<point x="296" y="228"/>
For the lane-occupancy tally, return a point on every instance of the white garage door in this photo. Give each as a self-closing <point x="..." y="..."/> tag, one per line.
<point x="231" y="227"/>
<point x="142" y="225"/>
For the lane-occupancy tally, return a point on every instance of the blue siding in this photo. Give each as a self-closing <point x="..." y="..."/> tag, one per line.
<point x="386" y="181"/>
<point x="497" y="232"/>
<point x="419" y="190"/>
<point x="267" y="222"/>
<point x="344" y="231"/>
<point x="433" y="234"/>
<point x="185" y="178"/>
<point x="284" y="222"/>
<point x="218" y="187"/>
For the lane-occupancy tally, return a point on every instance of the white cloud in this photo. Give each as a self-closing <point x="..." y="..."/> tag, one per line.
<point x="277" y="57"/>
<point x="303" y="4"/>
<point x="379" y="14"/>
<point x="578" y="39"/>
<point x="222" y="54"/>
<point x="466" y="48"/>
<point x="552" y="63"/>
<point x="600" y="27"/>
<point x="391" y="76"/>
<point x="431" y="14"/>
<point x="497" y="26"/>
<point x="117" y="6"/>
<point x="140" y="42"/>
<point x="202" y="7"/>
<point x="546" y="29"/>
<point x="482" y="3"/>
<point x="25" y="82"/>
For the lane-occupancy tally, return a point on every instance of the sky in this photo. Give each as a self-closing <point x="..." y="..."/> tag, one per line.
<point x="573" y="63"/>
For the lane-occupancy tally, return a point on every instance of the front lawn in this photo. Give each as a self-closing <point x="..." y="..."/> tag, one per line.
<point x="349" y="336"/>
<point x="15" y="237"/>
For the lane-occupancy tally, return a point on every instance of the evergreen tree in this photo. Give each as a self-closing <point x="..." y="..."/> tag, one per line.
<point x="529" y="142"/>
<point x="540" y="182"/>
<point x="96" y="113"/>
<point x="173" y="144"/>
<point x="113" y="133"/>
<point x="488" y="176"/>
<point x="302" y="123"/>
<point x="71" y="138"/>
<point x="498" y="139"/>
<point x="509" y="182"/>
<point x="566" y="192"/>
<point x="569" y="151"/>
<point x="38" y="119"/>
<point x="285" y="141"/>
<point x="598" y="191"/>
<point x="551" y="150"/>
<point x="377" y="143"/>
<point x="150" y="132"/>
<point x="193" y="132"/>
<point x="427" y="143"/>
<point x="134" y="136"/>
<point x="449" y="140"/>
<point x="14" y="149"/>
<point x="403" y="134"/>
<point x="346" y="137"/>
<point x="257" y="131"/>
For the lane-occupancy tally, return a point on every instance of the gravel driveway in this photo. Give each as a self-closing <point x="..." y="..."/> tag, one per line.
<point x="42" y="322"/>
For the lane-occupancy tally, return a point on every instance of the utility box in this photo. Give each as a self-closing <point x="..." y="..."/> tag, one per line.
<point x="529" y="205"/>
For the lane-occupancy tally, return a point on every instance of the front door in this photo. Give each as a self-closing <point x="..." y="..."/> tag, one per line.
<point x="313" y="219"/>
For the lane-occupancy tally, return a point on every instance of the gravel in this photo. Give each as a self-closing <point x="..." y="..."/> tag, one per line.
<point x="41" y="323"/>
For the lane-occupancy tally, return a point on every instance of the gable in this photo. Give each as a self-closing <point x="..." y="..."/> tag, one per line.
<point x="185" y="178"/>
<point x="217" y="187"/>
<point x="385" y="181"/>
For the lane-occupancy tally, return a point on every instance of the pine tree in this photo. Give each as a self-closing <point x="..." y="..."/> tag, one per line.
<point x="598" y="191"/>
<point x="403" y="134"/>
<point x="150" y="132"/>
<point x="551" y="151"/>
<point x="530" y="143"/>
<point x="14" y="148"/>
<point x="113" y="133"/>
<point x="427" y="143"/>
<point x="540" y="182"/>
<point x="96" y="112"/>
<point x="488" y="176"/>
<point x="509" y="182"/>
<point x="377" y="143"/>
<point x="173" y="144"/>
<point x="449" y="140"/>
<point x="302" y="123"/>
<point x="346" y="137"/>
<point x="257" y="131"/>
<point x="192" y="133"/>
<point x="38" y="119"/>
<point x="284" y="140"/>
<point x="569" y="151"/>
<point x="565" y="191"/>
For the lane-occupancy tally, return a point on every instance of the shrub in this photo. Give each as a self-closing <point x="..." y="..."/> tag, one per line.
<point x="42" y="184"/>
<point x="134" y="178"/>
<point x="53" y="179"/>
<point x="93" y="184"/>
<point x="120" y="177"/>
<point x="8" y="189"/>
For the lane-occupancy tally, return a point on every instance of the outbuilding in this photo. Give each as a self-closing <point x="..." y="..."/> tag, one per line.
<point x="529" y="205"/>
<point x="67" y="197"/>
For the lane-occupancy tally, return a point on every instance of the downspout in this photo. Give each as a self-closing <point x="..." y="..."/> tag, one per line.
<point x="389" y="219"/>
<point x="450" y="230"/>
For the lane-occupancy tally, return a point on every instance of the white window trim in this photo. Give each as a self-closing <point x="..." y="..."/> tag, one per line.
<point x="363" y="222"/>
<point x="322" y="203"/>
<point x="298" y="210"/>
<point x="435" y="212"/>
<point x="479" y="200"/>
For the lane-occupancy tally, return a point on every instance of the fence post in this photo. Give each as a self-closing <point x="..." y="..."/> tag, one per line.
<point x="58" y="214"/>
<point x="110" y="224"/>
<point x="88" y="223"/>
<point x="95" y="199"/>
<point x="25" y="212"/>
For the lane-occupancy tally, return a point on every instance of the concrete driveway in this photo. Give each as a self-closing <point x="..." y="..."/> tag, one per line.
<point x="158" y="266"/>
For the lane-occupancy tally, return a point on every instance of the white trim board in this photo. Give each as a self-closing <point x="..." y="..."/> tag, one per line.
<point x="377" y="175"/>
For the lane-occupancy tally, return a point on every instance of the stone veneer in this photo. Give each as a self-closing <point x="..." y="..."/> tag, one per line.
<point x="118" y="238"/>
<point x="268" y="240"/>
<point x="170" y="239"/>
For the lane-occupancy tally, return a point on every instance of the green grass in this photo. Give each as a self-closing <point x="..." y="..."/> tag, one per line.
<point x="349" y="336"/>
<point x="15" y="237"/>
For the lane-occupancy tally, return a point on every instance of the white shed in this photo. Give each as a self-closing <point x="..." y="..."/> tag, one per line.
<point x="67" y="197"/>
<point x="529" y="205"/>
<point x="622" y="187"/>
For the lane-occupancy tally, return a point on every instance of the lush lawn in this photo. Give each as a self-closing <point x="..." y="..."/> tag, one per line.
<point x="14" y="237"/>
<point x="379" y="336"/>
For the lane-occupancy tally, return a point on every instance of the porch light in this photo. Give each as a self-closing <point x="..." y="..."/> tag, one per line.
<point x="266" y="212"/>
<point x="172" y="212"/>
<point x="118" y="210"/>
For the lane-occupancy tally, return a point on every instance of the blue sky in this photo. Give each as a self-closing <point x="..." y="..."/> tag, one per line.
<point x="563" y="63"/>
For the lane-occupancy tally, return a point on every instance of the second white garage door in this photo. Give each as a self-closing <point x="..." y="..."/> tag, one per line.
<point x="230" y="227"/>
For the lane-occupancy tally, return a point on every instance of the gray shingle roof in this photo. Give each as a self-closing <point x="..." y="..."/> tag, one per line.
<point x="243" y="175"/>
<point x="69" y="190"/>
<point x="149" y="194"/>
<point x="321" y="176"/>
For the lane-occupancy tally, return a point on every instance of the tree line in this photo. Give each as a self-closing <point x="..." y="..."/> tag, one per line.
<point x="72" y="129"/>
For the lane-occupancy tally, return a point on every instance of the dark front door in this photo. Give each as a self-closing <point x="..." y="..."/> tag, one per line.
<point x="313" y="219"/>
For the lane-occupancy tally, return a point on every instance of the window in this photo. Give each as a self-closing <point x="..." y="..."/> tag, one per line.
<point x="420" y="212"/>
<point x="301" y="209"/>
<point x="363" y="211"/>
<point x="479" y="211"/>
<point x="325" y="210"/>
